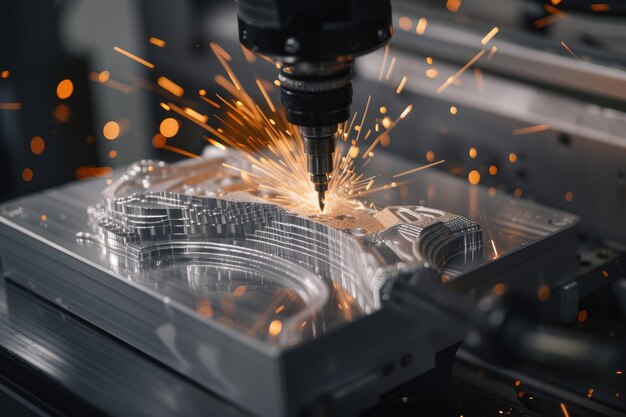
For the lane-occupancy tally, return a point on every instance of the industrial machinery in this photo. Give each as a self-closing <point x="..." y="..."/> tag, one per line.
<point x="491" y="283"/>
<point x="314" y="45"/>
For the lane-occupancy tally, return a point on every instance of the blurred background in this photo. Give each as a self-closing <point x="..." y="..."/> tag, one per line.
<point x="539" y="115"/>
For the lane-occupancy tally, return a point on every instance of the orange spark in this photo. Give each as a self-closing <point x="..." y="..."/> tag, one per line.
<point x="266" y="96"/>
<point x="391" y="67"/>
<point x="473" y="177"/>
<point x="382" y="66"/>
<point x="567" y="48"/>
<point x="10" y="106"/>
<point x="111" y="130"/>
<point x="65" y="89"/>
<point x="157" y="42"/>
<point x="405" y="23"/>
<point x="411" y="171"/>
<point x="171" y="86"/>
<point x="201" y="117"/>
<point x="480" y="80"/>
<point x="460" y="72"/>
<point x="453" y="6"/>
<point x="421" y="26"/>
<point x="211" y="102"/>
<point x="134" y="57"/>
<point x="490" y="35"/>
<point x="564" y="409"/>
<point x="554" y="11"/>
<point x="401" y="86"/>
<point x="37" y="145"/>
<point x="27" y="174"/>
<point x="180" y="151"/>
<point x="169" y="127"/>
<point x="215" y="143"/>
<point x="600" y="7"/>
<point x="92" y="171"/>
<point x="531" y="129"/>
<point x="545" y="21"/>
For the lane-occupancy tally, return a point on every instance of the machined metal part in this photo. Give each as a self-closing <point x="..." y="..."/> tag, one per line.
<point x="182" y="265"/>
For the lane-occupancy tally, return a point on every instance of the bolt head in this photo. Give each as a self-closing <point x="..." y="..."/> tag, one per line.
<point x="292" y="45"/>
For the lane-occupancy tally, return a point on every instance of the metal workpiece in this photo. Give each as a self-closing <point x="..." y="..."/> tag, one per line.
<point x="242" y="234"/>
<point x="247" y="298"/>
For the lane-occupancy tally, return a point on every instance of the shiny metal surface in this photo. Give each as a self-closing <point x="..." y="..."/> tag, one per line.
<point x="222" y="246"/>
<point x="93" y="366"/>
<point x="229" y="324"/>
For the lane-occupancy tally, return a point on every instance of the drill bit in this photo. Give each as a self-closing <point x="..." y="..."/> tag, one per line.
<point x="319" y="145"/>
<point x="321" y="186"/>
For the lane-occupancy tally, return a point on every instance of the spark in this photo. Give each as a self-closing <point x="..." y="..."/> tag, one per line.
<point x="493" y="51"/>
<point x="169" y="126"/>
<point x="495" y="251"/>
<point x="215" y="143"/>
<point x="249" y="55"/>
<point x="600" y="7"/>
<point x="27" y="174"/>
<point x="65" y="89"/>
<point x="460" y="72"/>
<point x="37" y="145"/>
<point x="104" y="79"/>
<point x="411" y="171"/>
<point x="564" y="409"/>
<point x="480" y="80"/>
<point x="5" y="74"/>
<point x="10" y="106"/>
<point x="391" y="67"/>
<point x="531" y="129"/>
<point x="401" y="86"/>
<point x="406" y="111"/>
<point x="405" y="23"/>
<point x="269" y="153"/>
<point x="201" y="117"/>
<point x="224" y="58"/>
<point x="181" y="151"/>
<point x="490" y="35"/>
<point x="453" y="6"/>
<point x="432" y="73"/>
<point x="567" y="48"/>
<point x="89" y="171"/>
<point x="382" y="67"/>
<point x="211" y="102"/>
<point x="157" y="42"/>
<point x="134" y="57"/>
<point x="473" y="177"/>
<point x="111" y="130"/>
<point x="421" y="26"/>
<point x="554" y="11"/>
<point x="275" y="327"/>
<point x="171" y="86"/>
<point x="545" y="21"/>
<point x="265" y="95"/>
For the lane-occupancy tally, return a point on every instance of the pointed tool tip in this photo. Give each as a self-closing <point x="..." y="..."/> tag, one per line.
<point x="321" y="201"/>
